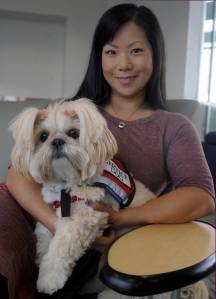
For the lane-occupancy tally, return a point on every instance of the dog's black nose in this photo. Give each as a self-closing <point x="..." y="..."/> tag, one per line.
<point x="57" y="143"/>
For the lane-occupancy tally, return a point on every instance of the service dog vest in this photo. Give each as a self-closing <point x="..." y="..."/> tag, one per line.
<point x="117" y="181"/>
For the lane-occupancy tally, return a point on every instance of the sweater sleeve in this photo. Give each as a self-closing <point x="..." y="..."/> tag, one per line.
<point x="185" y="159"/>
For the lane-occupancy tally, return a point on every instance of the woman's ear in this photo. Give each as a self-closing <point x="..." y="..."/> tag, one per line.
<point x="22" y="128"/>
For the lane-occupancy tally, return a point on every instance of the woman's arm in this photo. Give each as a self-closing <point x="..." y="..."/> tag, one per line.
<point x="182" y="205"/>
<point x="185" y="204"/>
<point x="28" y="195"/>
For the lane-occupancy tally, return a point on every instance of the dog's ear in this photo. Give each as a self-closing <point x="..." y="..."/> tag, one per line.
<point x="22" y="128"/>
<point x="91" y="121"/>
<point x="101" y="150"/>
<point x="94" y="136"/>
<point x="94" y="130"/>
<point x="106" y="145"/>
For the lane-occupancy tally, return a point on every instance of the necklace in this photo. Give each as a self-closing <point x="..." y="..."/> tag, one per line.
<point x="122" y="123"/>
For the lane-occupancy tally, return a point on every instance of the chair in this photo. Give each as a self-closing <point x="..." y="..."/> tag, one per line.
<point x="209" y="147"/>
<point x="194" y="110"/>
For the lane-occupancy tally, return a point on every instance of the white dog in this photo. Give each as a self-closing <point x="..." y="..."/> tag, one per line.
<point x="66" y="147"/>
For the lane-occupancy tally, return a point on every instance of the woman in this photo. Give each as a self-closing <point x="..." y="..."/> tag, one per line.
<point x="126" y="79"/>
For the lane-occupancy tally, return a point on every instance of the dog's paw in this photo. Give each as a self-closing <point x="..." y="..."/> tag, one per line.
<point x="102" y="219"/>
<point x="50" y="282"/>
<point x="51" y="277"/>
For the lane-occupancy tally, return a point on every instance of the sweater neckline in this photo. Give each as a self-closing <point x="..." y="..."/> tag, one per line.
<point x="117" y="121"/>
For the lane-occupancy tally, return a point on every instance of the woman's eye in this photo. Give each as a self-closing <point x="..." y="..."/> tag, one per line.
<point x="136" y="50"/>
<point x="73" y="133"/>
<point x="110" y="52"/>
<point x="43" y="136"/>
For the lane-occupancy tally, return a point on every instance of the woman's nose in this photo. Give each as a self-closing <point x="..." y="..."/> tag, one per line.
<point x="124" y="62"/>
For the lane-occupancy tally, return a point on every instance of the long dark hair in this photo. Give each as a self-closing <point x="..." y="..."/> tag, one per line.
<point x="94" y="86"/>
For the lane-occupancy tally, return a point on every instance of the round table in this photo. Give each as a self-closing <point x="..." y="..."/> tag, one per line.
<point x="159" y="258"/>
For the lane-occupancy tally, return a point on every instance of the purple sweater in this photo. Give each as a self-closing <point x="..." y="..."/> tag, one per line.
<point x="162" y="148"/>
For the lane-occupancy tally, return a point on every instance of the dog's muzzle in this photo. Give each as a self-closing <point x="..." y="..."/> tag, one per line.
<point x="57" y="145"/>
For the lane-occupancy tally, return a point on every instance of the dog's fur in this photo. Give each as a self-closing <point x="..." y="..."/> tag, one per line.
<point x="65" y="147"/>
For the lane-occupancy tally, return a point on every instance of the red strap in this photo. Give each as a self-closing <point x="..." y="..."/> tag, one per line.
<point x="74" y="198"/>
<point x="56" y="204"/>
<point x="3" y="187"/>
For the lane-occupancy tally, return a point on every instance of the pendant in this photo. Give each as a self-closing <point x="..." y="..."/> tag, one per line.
<point x="121" y="125"/>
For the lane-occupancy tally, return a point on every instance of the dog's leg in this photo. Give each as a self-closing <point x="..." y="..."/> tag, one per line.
<point x="55" y="264"/>
<point x="73" y="237"/>
<point x="44" y="238"/>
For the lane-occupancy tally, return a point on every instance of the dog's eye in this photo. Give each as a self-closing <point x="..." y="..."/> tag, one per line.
<point x="43" y="136"/>
<point x="74" y="133"/>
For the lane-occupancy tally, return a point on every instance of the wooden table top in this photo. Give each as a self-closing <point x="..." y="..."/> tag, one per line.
<point x="162" y="248"/>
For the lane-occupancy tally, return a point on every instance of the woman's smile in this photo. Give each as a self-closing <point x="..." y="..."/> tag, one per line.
<point x="126" y="80"/>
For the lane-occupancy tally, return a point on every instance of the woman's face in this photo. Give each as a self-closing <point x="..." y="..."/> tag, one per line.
<point x="127" y="62"/>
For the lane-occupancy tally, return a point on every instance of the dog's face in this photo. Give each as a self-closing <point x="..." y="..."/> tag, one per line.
<point x="68" y="141"/>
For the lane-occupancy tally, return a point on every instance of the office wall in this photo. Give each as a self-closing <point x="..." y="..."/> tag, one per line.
<point x="53" y="70"/>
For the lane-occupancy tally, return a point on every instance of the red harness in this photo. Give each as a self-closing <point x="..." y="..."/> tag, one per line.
<point x="3" y="187"/>
<point x="74" y="198"/>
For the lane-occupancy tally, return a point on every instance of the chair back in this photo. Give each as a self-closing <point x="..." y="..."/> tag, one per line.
<point x="209" y="147"/>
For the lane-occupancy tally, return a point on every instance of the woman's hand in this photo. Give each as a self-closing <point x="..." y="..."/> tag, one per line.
<point x="115" y="219"/>
<point x="102" y="207"/>
<point x="109" y="233"/>
<point x="123" y="218"/>
<point x="108" y="237"/>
